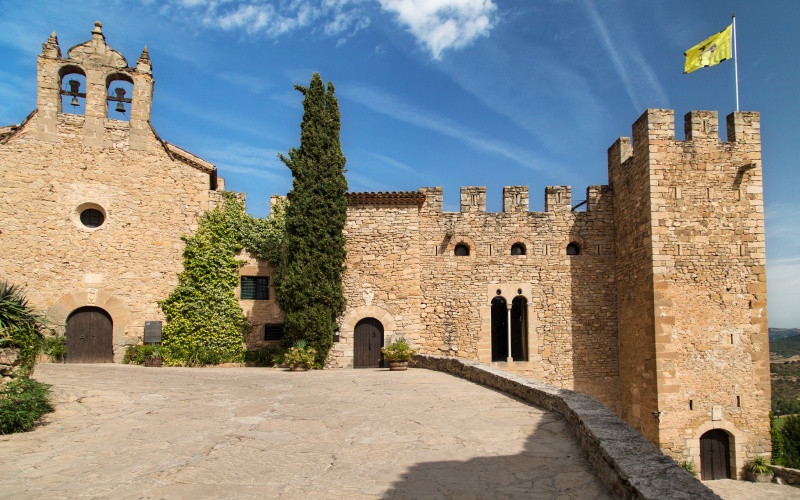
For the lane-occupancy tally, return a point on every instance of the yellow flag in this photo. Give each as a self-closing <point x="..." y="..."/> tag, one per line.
<point x="713" y="50"/>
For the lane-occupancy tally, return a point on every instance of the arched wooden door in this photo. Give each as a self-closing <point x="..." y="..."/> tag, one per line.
<point x="89" y="336"/>
<point x="715" y="455"/>
<point x="367" y="343"/>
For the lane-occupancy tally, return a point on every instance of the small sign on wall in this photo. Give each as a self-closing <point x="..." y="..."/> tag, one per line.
<point x="152" y="332"/>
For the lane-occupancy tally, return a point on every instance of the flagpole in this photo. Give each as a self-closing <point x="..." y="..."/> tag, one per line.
<point x="735" y="61"/>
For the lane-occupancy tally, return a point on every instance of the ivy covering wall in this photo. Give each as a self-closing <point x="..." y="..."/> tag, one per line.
<point x="203" y="314"/>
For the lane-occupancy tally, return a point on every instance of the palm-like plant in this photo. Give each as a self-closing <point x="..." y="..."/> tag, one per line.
<point x="20" y="325"/>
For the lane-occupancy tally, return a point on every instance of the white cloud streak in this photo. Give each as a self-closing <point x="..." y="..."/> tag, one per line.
<point x="439" y="25"/>
<point x="387" y="104"/>
<point x="638" y="78"/>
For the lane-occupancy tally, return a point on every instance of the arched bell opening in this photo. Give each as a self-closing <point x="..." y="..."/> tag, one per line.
<point x="119" y="96"/>
<point x="72" y="85"/>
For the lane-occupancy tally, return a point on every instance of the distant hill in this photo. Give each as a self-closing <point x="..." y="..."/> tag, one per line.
<point x="785" y="347"/>
<point x="779" y="333"/>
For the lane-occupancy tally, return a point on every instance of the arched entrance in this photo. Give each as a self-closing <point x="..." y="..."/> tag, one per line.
<point x="519" y="329"/>
<point x="499" y="329"/>
<point x="715" y="455"/>
<point x="367" y="343"/>
<point x="89" y="336"/>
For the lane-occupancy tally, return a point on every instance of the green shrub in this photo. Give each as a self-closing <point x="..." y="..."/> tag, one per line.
<point x="20" y="326"/>
<point x="266" y="356"/>
<point x="136" y="354"/>
<point x="789" y="443"/>
<point x="688" y="466"/>
<point x="300" y="355"/>
<point x="55" y="347"/>
<point x="22" y="402"/>
<point x="759" y="465"/>
<point x="398" y="351"/>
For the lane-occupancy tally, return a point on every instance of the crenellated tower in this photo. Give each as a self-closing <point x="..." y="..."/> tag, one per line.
<point x="691" y="285"/>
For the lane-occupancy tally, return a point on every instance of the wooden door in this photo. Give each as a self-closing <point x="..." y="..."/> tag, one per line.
<point x="715" y="455"/>
<point x="89" y="336"/>
<point x="367" y="343"/>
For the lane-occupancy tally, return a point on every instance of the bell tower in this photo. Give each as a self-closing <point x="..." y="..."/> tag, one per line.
<point x="85" y="80"/>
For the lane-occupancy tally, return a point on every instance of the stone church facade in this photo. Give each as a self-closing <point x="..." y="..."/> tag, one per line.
<point x="650" y="295"/>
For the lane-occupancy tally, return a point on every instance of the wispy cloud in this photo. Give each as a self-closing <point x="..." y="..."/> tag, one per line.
<point x="439" y="25"/>
<point x="333" y="18"/>
<point x="638" y="78"/>
<point x="392" y="106"/>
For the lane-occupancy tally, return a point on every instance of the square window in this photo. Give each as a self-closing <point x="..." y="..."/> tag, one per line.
<point x="255" y="288"/>
<point x="273" y="332"/>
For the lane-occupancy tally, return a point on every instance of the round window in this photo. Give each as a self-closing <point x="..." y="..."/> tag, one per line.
<point x="92" y="217"/>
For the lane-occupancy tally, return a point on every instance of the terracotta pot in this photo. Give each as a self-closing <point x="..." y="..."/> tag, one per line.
<point x="397" y="366"/>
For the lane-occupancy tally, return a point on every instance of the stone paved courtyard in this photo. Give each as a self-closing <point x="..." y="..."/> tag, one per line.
<point x="132" y="432"/>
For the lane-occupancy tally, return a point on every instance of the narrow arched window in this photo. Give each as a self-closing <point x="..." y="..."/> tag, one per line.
<point x="461" y="250"/>
<point x="518" y="249"/>
<point x="573" y="249"/>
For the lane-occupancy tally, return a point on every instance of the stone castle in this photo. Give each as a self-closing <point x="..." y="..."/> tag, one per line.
<point x="649" y="296"/>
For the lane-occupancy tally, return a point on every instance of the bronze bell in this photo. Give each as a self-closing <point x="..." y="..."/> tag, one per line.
<point x="120" y="99"/>
<point x="74" y="101"/>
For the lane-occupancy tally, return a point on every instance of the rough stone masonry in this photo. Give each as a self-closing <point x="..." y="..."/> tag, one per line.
<point x="649" y="295"/>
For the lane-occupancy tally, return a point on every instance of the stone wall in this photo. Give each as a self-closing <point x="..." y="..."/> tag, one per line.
<point x="704" y="339"/>
<point x="624" y="461"/>
<point x="55" y="165"/>
<point x="258" y="312"/>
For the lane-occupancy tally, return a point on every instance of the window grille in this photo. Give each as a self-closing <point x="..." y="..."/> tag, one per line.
<point x="273" y="332"/>
<point x="255" y="288"/>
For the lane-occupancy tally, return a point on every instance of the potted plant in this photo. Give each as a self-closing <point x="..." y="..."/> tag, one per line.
<point x="758" y="470"/>
<point x="154" y="357"/>
<point x="300" y="357"/>
<point x="398" y="354"/>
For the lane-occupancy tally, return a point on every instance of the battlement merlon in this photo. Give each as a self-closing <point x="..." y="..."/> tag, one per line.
<point x="656" y="128"/>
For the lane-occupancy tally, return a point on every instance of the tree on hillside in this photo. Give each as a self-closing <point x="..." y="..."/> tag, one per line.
<point x="310" y="292"/>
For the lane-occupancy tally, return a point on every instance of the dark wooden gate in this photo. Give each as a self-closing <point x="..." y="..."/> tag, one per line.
<point x="715" y="462"/>
<point x="89" y="336"/>
<point x="367" y="343"/>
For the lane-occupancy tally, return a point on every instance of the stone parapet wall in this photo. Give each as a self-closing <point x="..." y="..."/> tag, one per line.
<point x="789" y="476"/>
<point x="624" y="461"/>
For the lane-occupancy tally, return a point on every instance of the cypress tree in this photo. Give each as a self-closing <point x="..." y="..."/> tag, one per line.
<point x="311" y="292"/>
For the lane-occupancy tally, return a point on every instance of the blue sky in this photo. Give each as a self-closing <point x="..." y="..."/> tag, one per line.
<point x="441" y="92"/>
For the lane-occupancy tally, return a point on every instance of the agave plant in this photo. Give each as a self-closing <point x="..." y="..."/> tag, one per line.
<point x="20" y="325"/>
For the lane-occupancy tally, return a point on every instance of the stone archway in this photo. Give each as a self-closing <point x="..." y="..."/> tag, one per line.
<point x="59" y="313"/>
<point x="343" y="351"/>
<point x="89" y="333"/>
<point x="715" y="453"/>
<point x="367" y="343"/>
